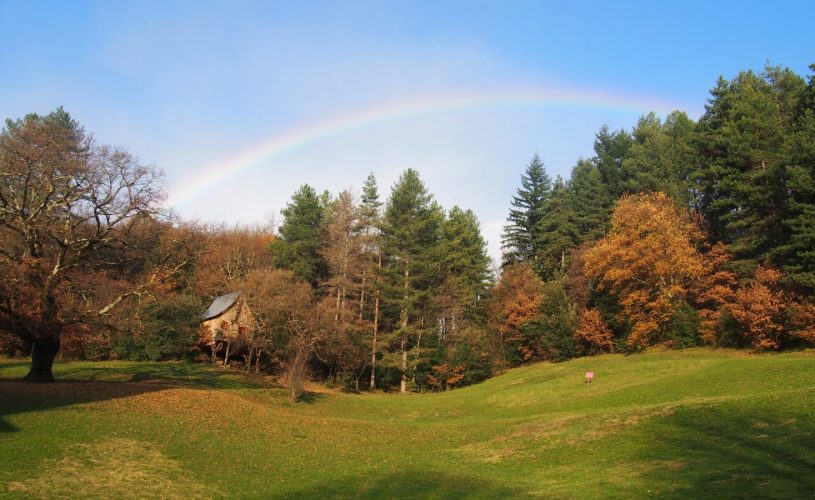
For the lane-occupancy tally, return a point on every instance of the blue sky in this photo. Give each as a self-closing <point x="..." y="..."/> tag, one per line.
<point x="190" y="85"/>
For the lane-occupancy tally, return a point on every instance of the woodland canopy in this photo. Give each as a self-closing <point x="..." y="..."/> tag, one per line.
<point x="678" y="232"/>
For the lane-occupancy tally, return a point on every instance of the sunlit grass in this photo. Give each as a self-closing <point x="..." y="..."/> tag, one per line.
<point x="695" y="422"/>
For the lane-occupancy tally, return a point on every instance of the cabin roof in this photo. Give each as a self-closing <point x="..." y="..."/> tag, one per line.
<point x="219" y="305"/>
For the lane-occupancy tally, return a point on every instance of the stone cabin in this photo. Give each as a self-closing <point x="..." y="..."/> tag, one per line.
<point x="226" y="325"/>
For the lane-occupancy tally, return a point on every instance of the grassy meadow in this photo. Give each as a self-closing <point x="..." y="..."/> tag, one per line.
<point x="698" y="422"/>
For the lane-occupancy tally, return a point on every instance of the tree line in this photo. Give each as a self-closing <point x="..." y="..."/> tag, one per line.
<point x="677" y="232"/>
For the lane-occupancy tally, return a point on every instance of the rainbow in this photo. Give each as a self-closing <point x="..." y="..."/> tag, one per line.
<point x="257" y="154"/>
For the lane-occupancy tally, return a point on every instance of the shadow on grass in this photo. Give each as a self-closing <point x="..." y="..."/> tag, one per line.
<point x="411" y="484"/>
<point x="310" y="397"/>
<point x="86" y="382"/>
<point x="21" y="397"/>
<point x="170" y="372"/>
<point x="735" y="452"/>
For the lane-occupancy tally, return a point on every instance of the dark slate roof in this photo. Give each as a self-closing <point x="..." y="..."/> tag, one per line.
<point x="219" y="305"/>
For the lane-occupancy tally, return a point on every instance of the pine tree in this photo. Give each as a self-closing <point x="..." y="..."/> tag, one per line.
<point x="591" y="200"/>
<point x="464" y="252"/>
<point x="369" y="220"/>
<point x="661" y="157"/>
<point x="557" y="232"/>
<point x="410" y="233"/>
<point x="464" y="271"/>
<point x="527" y="206"/>
<point x="797" y="255"/>
<point x="301" y="237"/>
<point x="611" y="149"/>
<point x="742" y="180"/>
<point x="341" y="251"/>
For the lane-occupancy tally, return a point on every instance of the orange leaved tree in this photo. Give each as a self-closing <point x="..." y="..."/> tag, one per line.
<point x="760" y="308"/>
<point x="593" y="335"/>
<point x="649" y="260"/>
<point x="516" y="300"/>
<point x="715" y="291"/>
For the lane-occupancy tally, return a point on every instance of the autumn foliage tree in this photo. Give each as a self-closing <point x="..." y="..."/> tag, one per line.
<point x="516" y="300"/>
<point x="229" y="255"/>
<point x="74" y="215"/>
<point x="282" y="305"/>
<point x="760" y="309"/>
<point x="714" y="292"/>
<point x="649" y="260"/>
<point x="593" y="335"/>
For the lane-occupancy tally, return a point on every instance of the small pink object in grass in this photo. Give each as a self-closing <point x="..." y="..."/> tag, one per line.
<point x="589" y="377"/>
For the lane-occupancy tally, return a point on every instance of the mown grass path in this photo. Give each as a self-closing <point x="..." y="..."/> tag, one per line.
<point x="664" y="423"/>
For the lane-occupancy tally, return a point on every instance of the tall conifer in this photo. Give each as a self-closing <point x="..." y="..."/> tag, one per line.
<point x="527" y="206"/>
<point x="301" y="236"/>
<point x="410" y="233"/>
<point x="557" y="232"/>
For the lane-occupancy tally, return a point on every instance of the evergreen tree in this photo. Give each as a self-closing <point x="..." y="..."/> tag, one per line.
<point x="369" y="220"/>
<point x="410" y="233"/>
<point x="557" y="232"/>
<point x="591" y="200"/>
<point x="743" y="178"/>
<point x="661" y="157"/>
<point x="463" y="252"/>
<point x="527" y="206"/>
<point x="301" y="237"/>
<point x="611" y="148"/>
<point x="797" y="255"/>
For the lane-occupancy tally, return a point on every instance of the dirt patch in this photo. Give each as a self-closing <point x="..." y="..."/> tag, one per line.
<point x="117" y="468"/>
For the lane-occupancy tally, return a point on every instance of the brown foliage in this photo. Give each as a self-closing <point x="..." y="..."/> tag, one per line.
<point x="282" y="307"/>
<point x="649" y="260"/>
<point x="297" y="370"/>
<point x="593" y="334"/>
<point x="230" y="255"/>
<point x="760" y="309"/>
<point x="803" y="321"/>
<point x="81" y="230"/>
<point x="515" y="301"/>
<point x="575" y="281"/>
<point x="715" y="291"/>
<point x="445" y="377"/>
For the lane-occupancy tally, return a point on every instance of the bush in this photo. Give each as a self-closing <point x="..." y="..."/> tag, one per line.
<point x="683" y="329"/>
<point x="171" y="327"/>
<point x="551" y="335"/>
<point x="474" y="360"/>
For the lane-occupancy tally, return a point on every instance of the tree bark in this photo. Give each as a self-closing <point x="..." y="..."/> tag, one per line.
<point x="403" y="346"/>
<point x="362" y="294"/>
<point x="403" y="382"/>
<point x="376" y="327"/>
<point x="226" y="354"/>
<point x="43" y="353"/>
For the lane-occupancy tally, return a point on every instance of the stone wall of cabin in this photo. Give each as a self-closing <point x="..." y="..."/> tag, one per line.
<point x="235" y="323"/>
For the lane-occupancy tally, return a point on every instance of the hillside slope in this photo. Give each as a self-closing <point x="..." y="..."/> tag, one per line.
<point x="669" y="423"/>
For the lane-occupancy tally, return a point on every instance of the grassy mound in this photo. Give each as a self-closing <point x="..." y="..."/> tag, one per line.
<point x="670" y="423"/>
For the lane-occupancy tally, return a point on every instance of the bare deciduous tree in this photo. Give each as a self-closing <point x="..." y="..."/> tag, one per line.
<point x="71" y="213"/>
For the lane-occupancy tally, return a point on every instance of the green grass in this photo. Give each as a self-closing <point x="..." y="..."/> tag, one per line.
<point x="665" y="423"/>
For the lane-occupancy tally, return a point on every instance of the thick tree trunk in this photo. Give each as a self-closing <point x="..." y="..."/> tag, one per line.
<point x="43" y="353"/>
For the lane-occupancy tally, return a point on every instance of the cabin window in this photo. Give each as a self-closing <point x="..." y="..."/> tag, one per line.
<point x="242" y="329"/>
<point x="224" y="325"/>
